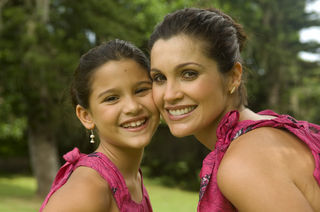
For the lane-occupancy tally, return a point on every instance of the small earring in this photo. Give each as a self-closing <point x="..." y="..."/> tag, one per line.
<point x="232" y="90"/>
<point x="92" y="137"/>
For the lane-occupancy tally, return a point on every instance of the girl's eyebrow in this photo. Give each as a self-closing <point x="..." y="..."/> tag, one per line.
<point x="106" y="91"/>
<point x="144" y="82"/>
<point x="113" y="89"/>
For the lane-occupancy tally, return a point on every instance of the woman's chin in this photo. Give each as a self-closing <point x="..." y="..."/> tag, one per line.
<point x="179" y="132"/>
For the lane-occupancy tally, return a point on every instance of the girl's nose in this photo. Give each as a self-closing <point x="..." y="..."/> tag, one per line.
<point x="132" y="106"/>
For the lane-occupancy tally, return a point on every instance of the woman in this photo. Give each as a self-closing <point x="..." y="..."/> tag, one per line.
<point x="111" y="92"/>
<point x="259" y="161"/>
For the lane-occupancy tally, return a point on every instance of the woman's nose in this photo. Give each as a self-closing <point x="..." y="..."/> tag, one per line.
<point x="173" y="92"/>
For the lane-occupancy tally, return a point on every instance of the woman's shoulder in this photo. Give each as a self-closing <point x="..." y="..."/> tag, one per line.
<point x="267" y="147"/>
<point x="85" y="190"/>
<point x="264" y="161"/>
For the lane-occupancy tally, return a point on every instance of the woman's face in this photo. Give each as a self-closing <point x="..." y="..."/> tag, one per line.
<point x="121" y="104"/>
<point x="188" y="88"/>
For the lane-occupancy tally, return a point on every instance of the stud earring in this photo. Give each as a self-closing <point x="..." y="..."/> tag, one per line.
<point x="92" y="137"/>
<point x="232" y="90"/>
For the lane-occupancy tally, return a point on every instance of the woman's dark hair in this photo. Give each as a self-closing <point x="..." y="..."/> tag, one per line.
<point x="223" y="38"/>
<point x="94" y="58"/>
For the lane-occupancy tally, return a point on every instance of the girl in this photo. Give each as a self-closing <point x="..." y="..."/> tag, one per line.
<point x="111" y="92"/>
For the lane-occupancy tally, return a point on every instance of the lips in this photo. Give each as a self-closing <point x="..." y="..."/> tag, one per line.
<point x="136" y="124"/>
<point x="179" y="112"/>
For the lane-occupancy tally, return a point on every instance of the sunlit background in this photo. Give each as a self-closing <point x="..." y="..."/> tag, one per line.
<point x="312" y="33"/>
<point x="42" y="40"/>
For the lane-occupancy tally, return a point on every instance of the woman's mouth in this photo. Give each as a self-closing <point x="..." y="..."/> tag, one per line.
<point x="179" y="112"/>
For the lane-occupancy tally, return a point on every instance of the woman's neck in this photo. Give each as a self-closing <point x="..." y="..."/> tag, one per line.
<point x="207" y="136"/>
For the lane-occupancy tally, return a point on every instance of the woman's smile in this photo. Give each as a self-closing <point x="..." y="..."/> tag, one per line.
<point x="179" y="112"/>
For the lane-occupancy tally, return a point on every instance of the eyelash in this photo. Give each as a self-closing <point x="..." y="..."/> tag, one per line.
<point x="193" y="74"/>
<point x="111" y="99"/>
<point x="156" y="78"/>
<point x="141" y="90"/>
<point x="160" y="78"/>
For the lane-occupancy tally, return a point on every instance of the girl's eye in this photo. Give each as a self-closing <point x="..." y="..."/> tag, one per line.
<point x="158" y="78"/>
<point x="111" y="99"/>
<point x="142" y="90"/>
<point x="189" y="74"/>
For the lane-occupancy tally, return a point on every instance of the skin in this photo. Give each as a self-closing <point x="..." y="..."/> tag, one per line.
<point x="120" y="94"/>
<point x="265" y="169"/>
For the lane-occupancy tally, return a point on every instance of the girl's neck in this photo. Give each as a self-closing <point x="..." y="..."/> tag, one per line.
<point x="125" y="159"/>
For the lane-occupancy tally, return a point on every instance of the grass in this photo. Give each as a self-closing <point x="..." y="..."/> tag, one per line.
<point x="17" y="194"/>
<point x="170" y="199"/>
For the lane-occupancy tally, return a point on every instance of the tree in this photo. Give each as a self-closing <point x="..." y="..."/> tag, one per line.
<point x="41" y="42"/>
<point x="272" y="51"/>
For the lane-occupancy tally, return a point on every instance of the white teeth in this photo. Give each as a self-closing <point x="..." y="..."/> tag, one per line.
<point x="181" y="111"/>
<point x="134" y="124"/>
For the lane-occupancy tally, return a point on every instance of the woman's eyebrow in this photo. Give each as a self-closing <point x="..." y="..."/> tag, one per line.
<point x="188" y="63"/>
<point x="178" y="66"/>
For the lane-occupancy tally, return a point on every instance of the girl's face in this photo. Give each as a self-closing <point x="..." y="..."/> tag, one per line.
<point x="188" y="89"/>
<point x="121" y="104"/>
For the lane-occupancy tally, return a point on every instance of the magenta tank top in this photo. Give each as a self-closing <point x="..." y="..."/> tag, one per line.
<point x="109" y="172"/>
<point x="210" y="197"/>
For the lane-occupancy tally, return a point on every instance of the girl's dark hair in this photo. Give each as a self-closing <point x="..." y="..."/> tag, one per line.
<point x="94" y="58"/>
<point x="223" y="38"/>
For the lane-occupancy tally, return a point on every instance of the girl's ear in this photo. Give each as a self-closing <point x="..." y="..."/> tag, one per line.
<point x="85" y="117"/>
<point x="235" y="76"/>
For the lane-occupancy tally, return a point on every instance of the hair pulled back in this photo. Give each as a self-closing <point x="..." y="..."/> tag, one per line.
<point x="113" y="50"/>
<point x="223" y="38"/>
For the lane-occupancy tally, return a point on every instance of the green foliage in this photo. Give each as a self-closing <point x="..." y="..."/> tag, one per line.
<point x="38" y="56"/>
<point x="170" y="199"/>
<point x="17" y="194"/>
<point x="174" y="161"/>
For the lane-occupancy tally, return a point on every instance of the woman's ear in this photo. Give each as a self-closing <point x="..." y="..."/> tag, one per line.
<point x="235" y="76"/>
<point x="85" y="117"/>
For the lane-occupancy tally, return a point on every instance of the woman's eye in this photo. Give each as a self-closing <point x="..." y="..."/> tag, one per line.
<point x="189" y="74"/>
<point x="158" y="78"/>
<point x="111" y="99"/>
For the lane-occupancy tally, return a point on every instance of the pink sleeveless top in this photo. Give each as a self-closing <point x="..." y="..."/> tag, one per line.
<point x="210" y="197"/>
<point x="109" y="172"/>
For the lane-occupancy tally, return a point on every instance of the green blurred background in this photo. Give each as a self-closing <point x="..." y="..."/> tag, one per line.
<point x="42" y="40"/>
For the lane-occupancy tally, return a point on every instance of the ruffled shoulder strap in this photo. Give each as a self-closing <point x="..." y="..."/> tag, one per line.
<point x="64" y="172"/>
<point x="109" y="172"/>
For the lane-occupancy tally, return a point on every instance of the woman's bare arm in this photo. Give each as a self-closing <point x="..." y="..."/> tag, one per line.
<point x="256" y="174"/>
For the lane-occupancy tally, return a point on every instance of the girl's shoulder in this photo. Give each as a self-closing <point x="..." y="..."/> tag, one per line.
<point x="85" y="190"/>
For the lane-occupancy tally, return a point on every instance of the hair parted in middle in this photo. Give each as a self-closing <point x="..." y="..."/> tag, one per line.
<point x="223" y="39"/>
<point x="113" y="50"/>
